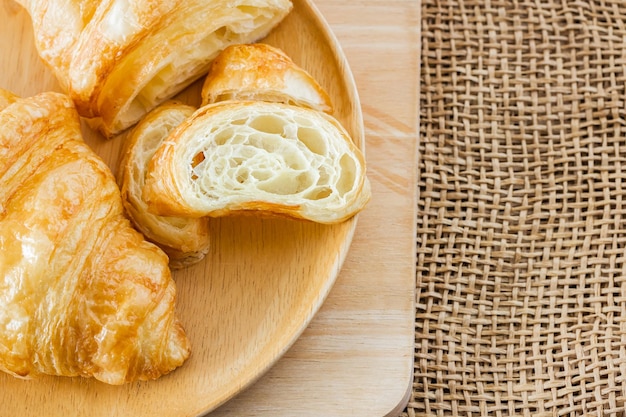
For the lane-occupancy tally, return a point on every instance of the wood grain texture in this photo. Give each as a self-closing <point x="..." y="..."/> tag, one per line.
<point x="356" y="356"/>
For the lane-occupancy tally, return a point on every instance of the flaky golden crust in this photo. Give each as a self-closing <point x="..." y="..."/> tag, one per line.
<point x="256" y="156"/>
<point x="185" y="240"/>
<point x="262" y="72"/>
<point x="118" y="59"/>
<point x="82" y="293"/>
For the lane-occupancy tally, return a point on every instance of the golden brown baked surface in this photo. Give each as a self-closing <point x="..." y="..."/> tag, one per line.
<point x="261" y="157"/>
<point x="262" y="72"/>
<point x="82" y="294"/>
<point x="185" y="240"/>
<point x="118" y="59"/>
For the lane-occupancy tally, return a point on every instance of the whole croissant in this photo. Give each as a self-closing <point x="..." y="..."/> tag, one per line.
<point x="118" y="59"/>
<point x="81" y="292"/>
<point x="256" y="156"/>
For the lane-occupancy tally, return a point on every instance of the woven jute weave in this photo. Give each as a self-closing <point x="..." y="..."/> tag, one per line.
<point x="521" y="273"/>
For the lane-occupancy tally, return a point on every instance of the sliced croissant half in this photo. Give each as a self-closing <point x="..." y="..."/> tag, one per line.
<point x="185" y="240"/>
<point x="81" y="292"/>
<point x="118" y="59"/>
<point x="239" y="156"/>
<point x="262" y="72"/>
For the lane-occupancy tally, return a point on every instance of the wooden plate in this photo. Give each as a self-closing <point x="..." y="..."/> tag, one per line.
<point x="259" y="286"/>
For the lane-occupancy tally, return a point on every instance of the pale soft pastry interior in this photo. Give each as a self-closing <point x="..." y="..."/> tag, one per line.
<point x="118" y="59"/>
<point x="185" y="240"/>
<point x="82" y="293"/>
<point x="256" y="156"/>
<point x="263" y="72"/>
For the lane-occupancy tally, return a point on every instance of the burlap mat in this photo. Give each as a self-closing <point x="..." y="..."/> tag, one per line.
<point x="521" y="273"/>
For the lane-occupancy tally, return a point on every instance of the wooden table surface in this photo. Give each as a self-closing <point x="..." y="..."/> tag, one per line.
<point x="356" y="357"/>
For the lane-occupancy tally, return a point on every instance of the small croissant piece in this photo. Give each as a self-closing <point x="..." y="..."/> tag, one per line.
<point x="262" y="72"/>
<point x="82" y="293"/>
<point x="118" y="59"/>
<point x="185" y="240"/>
<point x="240" y="156"/>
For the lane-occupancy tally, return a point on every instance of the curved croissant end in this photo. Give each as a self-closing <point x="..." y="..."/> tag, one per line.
<point x="6" y="98"/>
<point x="118" y="59"/>
<point x="238" y="156"/>
<point x="185" y="240"/>
<point x="262" y="72"/>
<point x="82" y="293"/>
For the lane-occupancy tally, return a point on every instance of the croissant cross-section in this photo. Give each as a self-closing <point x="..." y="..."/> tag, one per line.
<point x="238" y="156"/>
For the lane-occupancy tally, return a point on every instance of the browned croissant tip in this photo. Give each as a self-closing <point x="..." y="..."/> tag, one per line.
<point x="6" y="98"/>
<point x="263" y="72"/>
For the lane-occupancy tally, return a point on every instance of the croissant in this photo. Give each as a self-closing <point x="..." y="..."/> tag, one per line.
<point x="82" y="293"/>
<point x="118" y="59"/>
<point x="262" y="72"/>
<point x="185" y="240"/>
<point x="241" y="156"/>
